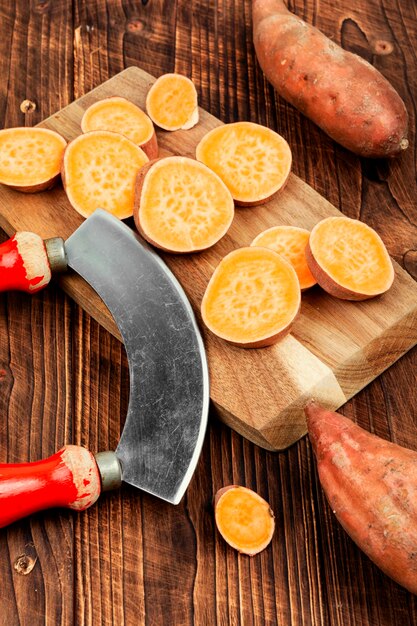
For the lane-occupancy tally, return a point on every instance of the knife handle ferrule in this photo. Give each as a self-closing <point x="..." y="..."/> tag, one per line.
<point x="69" y="478"/>
<point x="110" y="470"/>
<point x="55" y="249"/>
<point x="24" y="264"/>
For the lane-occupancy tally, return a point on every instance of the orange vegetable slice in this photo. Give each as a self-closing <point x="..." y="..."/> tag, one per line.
<point x="30" y="158"/>
<point x="181" y="205"/>
<point x="99" y="171"/>
<point x="122" y="116"/>
<point x="349" y="259"/>
<point x="252" y="160"/>
<point x="171" y="102"/>
<point x="252" y="298"/>
<point x="290" y="242"/>
<point x="244" y="519"/>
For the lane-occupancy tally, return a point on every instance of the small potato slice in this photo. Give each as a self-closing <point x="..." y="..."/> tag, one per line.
<point x="99" y="171"/>
<point x="171" y="102"/>
<point x="181" y="205"/>
<point x="30" y="158"/>
<point x="290" y="242"/>
<point x="349" y="259"/>
<point x="252" y="298"/>
<point x="252" y="160"/>
<point x="244" y="519"/>
<point x="122" y="116"/>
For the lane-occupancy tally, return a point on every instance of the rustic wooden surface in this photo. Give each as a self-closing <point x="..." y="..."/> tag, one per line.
<point x="131" y="559"/>
<point x="335" y="348"/>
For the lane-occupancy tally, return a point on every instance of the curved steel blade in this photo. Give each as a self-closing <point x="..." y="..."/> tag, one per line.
<point x="169" y="396"/>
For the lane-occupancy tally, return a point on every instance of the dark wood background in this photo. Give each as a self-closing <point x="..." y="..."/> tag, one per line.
<point x="132" y="559"/>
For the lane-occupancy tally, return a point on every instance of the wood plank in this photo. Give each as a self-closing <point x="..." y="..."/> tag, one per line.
<point x="311" y="573"/>
<point x="336" y="347"/>
<point x="35" y="346"/>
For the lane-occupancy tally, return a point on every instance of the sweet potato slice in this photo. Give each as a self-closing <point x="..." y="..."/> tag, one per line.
<point x="122" y="116"/>
<point x="181" y="205"/>
<point x="99" y="171"/>
<point x="290" y="242"/>
<point x="171" y="102"/>
<point x="244" y="519"/>
<point x="349" y="259"/>
<point x="252" y="298"/>
<point x="30" y="158"/>
<point x="252" y="160"/>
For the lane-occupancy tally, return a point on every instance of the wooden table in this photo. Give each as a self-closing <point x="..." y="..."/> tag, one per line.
<point x="132" y="559"/>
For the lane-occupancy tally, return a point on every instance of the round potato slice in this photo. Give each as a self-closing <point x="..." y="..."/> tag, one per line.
<point x="252" y="160"/>
<point x="349" y="259"/>
<point x="181" y="205"/>
<point x="99" y="171"/>
<point x="30" y="158"/>
<point x="122" y="116"/>
<point x="290" y="242"/>
<point x="252" y="299"/>
<point x="171" y="102"/>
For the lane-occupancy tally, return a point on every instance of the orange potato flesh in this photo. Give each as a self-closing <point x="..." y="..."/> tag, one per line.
<point x="290" y="242"/>
<point x="252" y="298"/>
<point x="182" y="206"/>
<point x="244" y="519"/>
<point x="349" y="259"/>
<point x="99" y="171"/>
<point x="122" y="116"/>
<point x="171" y="102"/>
<point x="252" y="160"/>
<point x="30" y="158"/>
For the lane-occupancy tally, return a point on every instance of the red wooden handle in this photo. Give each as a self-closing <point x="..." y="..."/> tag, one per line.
<point x="24" y="263"/>
<point x="70" y="478"/>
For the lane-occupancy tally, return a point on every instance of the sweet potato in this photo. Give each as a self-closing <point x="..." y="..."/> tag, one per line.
<point x="181" y="205"/>
<point x="349" y="259"/>
<point x="290" y="242"/>
<point x="99" y="171"/>
<point x="30" y="158"/>
<point x="171" y="102"/>
<point x="244" y="519"/>
<point x="122" y="116"/>
<point x="371" y="486"/>
<point x="252" y="160"/>
<point x="339" y="91"/>
<point x="252" y="298"/>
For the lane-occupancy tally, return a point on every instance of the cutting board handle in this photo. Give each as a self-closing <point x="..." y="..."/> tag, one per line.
<point x="26" y="262"/>
<point x="69" y="478"/>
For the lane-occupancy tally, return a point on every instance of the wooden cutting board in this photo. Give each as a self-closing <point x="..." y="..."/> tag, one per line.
<point x="336" y="347"/>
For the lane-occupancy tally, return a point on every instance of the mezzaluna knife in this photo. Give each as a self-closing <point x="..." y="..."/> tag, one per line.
<point x="169" y="384"/>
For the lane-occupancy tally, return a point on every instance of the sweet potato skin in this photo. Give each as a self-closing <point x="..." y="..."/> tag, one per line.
<point x="371" y="486"/>
<point x="140" y="179"/>
<point x="243" y="204"/>
<point x="45" y="186"/>
<point x="268" y="341"/>
<point x="338" y="90"/>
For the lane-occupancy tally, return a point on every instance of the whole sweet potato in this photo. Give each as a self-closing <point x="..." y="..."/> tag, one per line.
<point x="339" y="91"/>
<point x="371" y="485"/>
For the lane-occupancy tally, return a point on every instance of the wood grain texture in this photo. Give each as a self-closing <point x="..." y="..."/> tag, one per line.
<point x="132" y="560"/>
<point x="336" y="347"/>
